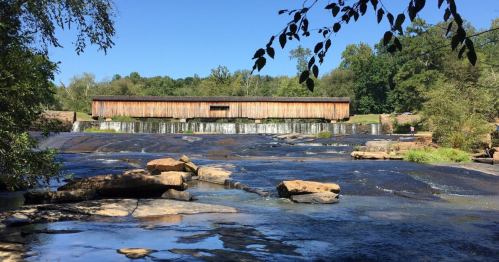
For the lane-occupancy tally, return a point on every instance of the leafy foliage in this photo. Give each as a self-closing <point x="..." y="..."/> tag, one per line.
<point x="345" y="13"/>
<point x="435" y="156"/>
<point x="27" y="28"/>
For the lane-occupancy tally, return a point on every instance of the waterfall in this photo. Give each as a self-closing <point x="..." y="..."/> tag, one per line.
<point x="231" y="128"/>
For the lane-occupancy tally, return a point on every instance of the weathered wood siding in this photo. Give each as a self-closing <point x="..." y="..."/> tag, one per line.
<point x="237" y="109"/>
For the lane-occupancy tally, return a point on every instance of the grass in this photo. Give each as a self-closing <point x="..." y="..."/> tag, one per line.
<point x="84" y="116"/>
<point x="427" y="155"/>
<point x="124" y="119"/>
<point x="364" y="119"/>
<point x="96" y="129"/>
<point x="188" y="132"/>
<point x="325" y="134"/>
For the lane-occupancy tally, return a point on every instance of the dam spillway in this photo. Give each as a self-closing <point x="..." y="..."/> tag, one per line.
<point x="230" y="128"/>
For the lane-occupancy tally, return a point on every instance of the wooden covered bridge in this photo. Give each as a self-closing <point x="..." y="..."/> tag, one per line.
<point x="183" y="108"/>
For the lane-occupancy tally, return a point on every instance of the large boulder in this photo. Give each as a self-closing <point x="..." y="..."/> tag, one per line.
<point x="166" y="164"/>
<point x="316" y="198"/>
<point x="129" y="185"/>
<point x="213" y="174"/>
<point x="40" y="197"/>
<point x="287" y="189"/>
<point x="187" y="176"/>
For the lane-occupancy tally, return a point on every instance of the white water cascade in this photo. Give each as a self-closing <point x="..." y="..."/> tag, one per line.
<point x="230" y="128"/>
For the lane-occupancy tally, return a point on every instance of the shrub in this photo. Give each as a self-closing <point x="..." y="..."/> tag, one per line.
<point x="124" y="119"/>
<point x="96" y="129"/>
<point x="427" y="155"/>
<point x="325" y="134"/>
<point x="188" y="132"/>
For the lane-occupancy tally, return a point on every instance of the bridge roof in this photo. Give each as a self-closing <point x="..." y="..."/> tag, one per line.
<point x="223" y="99"/>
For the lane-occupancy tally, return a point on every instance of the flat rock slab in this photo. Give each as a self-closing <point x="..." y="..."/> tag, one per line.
<point x="135" y="253"/>
<point x="214" y="174"/>
<point x="129" y="185"/>
<point x="316" y="198"/>
<point x="166" y="164"/>
<point x="119" y="208"/>
<point x="162" y="207"/>
<point x="287" y="189"/>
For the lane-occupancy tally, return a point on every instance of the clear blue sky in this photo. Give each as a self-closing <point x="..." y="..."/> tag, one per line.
<point x="183" y="38"/>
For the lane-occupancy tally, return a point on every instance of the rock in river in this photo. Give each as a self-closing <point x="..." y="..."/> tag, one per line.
<point x="177" y="195"/>
<point x="213" y="174"/>
<point x="135" y="253"/>
<point x="299" y="187"/>
<point x="129" y="185"/>
<point x="40" y="197"/>
<point x="316" y="198"/>
<point x="166" y="164"/>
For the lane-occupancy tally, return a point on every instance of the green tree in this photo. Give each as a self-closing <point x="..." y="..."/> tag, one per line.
<point x="27" y="28"/>
<point x="302" y="56"/>
<point x="339" y="83"/>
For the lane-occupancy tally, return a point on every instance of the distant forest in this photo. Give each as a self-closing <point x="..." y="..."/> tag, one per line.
<point x="426" y="76"/>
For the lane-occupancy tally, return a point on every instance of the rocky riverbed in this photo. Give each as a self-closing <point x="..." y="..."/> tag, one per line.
<point x="387" y="210"/>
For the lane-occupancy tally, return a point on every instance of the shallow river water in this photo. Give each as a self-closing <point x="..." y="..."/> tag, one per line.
<point x="388" y="210"/>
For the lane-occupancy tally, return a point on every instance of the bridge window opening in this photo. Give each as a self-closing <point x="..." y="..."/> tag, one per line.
<point x="219" y="107"/>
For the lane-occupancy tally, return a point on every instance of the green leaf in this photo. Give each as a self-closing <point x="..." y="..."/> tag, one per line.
<point x="355" y="15"/>
<point x="461" y="34"/>
<point x="310" y="84"/>
<point x="330" y="6"/>
<point x="452" y="6"/>
<point x="440" y="2"/>
<point x="387" y="37"/>
<point x="297" y="17"/>
<point x="363" y="8"/>
<point x="461" y="52"/>
<point x="336" y="27"/>
<point x="392" y="49"/>
<point x="412" y="12"/>
<point x="282" y="11"/>
<point x="297" y="37"/>
<point x="271" y="41"/>
<point x="282" y="40"/>
<point x="380" y="15"/>
<point x="390" y="18"/>
<point x="293" y="28"/>
<point x="305" y="25"/>
<point x="315" y="70"/>
<point x="311" y="62"/>
<point x="270" y="52"/>
<point x="448" y="28"/>
<point x="472" y="57"/>
<point x="261" y="63"/>
<point x="318" y="47"/>
<point x="419" y="4"/>
<point x="336" y="10"/>
<point x="446" y="14"/>
<point x="398" y="23"/>
<point x="469" y="44"/>
<point x="398" y="44"/>
<point x="304" y="76"/>
<point x="260" y="52"/>
<point x="454" y="42"/>
<point x="375" y="4"/>
<point x="328" y="44"/>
